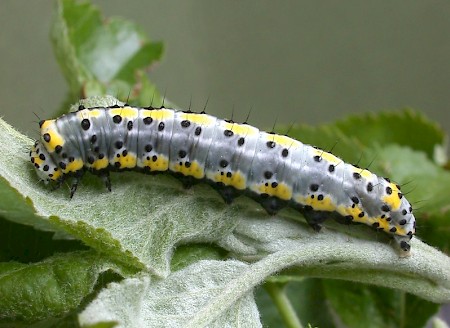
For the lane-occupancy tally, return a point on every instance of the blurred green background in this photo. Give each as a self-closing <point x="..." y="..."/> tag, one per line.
<point x="302" y="61"/>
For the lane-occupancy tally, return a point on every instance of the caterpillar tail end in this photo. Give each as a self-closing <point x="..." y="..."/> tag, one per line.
<point x="403" y="244"/>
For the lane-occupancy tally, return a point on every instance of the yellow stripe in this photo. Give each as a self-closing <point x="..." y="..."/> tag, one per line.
<point x="327" y="156"/>
<point x="46" y="124"/>
<point x="195" y="170"/>
<point x="241" y="129"/>
<point x="201" y="119"/>
<point x="161" y="114"/>
<point x="326" y="204"/>
<point x="237" y="180"/>
<point x="74" y="166"/>
<point x="363" y="172"/>
<point x="392" y="200"/>
<point x="354" y="212"/>
<point x="100" y="164"/>
<point x="56" y="175"/>
<point x="87" y="113"/>
<point x="161" y="163"/>
<point x="282" y="190"/>
<point x="283" y="141"/>
<point x="49" y="127"/>
<point x="38" y="161"/>
<point x="125" y="112"/>
<point x="126" y="162"/>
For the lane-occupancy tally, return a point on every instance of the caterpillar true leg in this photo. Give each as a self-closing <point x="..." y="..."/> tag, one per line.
<point x="75" y="180"/>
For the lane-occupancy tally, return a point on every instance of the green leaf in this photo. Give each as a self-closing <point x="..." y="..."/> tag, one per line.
<point x="212" y="292"/>
<point x="99" y="56"/>
<point x="270" y="317"/>
<point x="338" y="252"/>
<point x="189" y="254"/>
<point x="406" y="128"/>
<point x="328" y="138"/>
<point x="362" y="309"/>
<point x="49" y="288"/>
<point x="17" y="208"/>
<point x="308" y="298"/>
<point x="439" y="323"/>
<point x="209" y="293"/>
<point x="15" y="168"/>
<point x="109" y="324"/>
<point x="24" y="244"/>
<point x="327" y="302"/>
<point x="360" y="305"/>
<point x="354" y="138"/>
<point x="278" y="294"/>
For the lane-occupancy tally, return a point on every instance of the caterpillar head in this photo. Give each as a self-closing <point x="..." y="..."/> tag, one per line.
<point x="46" y="168"/>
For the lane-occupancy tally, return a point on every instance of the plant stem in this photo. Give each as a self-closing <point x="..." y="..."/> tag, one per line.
<point x="283" y="304"/>
<point x="402" y="308"/>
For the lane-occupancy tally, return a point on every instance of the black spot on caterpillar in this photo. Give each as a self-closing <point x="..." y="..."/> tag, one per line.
<point x="275" y="170"/>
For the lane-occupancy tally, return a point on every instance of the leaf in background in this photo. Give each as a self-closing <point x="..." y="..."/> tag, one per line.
<point x="186" y="298"/>
<point x="426" y="185"/>
<point x="330" y="302"/>
<point x="329" y="139"/>
<point x="306" y="297"/>
<point x="406" y="128"/>
<point x="24" y="244"/>
<point x="99" y="56"/>
<point x="186" y="255"/>
<point x="15" y="165"/>
<point x="350" y="137"/>
<point x="270" y="317"/>
<point x="360" y="305"/>
<point x="53" y="287"/>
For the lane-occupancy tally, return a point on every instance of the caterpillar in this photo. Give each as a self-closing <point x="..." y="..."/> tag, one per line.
<point x="273" y="169"/>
